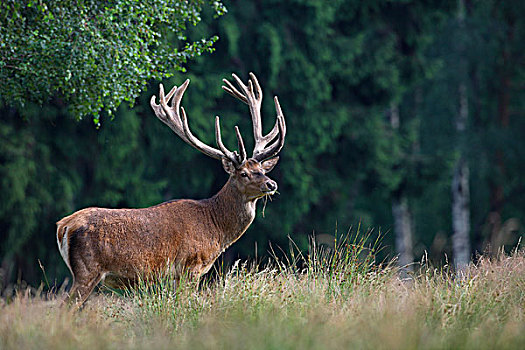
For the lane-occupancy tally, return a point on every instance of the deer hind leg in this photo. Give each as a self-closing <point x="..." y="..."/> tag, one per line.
<point x="86" y="275"/>
<point x="83" y="287"/>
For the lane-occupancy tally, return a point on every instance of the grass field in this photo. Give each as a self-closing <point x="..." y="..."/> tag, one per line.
<point x="334" y="300"/>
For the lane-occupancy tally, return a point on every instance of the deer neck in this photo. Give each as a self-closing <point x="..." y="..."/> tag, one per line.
<point x="232" y="213"/>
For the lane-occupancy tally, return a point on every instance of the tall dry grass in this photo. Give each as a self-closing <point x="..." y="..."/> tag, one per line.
<point x="336" y="298"/>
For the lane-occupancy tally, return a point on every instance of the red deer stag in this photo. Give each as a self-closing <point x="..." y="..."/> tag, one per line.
<point x="180" y="235"/>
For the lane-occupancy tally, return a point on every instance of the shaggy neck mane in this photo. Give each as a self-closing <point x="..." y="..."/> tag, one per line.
<point x="231" y="212"/>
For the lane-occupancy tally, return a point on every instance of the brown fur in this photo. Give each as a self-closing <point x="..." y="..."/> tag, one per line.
<point x="177" y="235"/>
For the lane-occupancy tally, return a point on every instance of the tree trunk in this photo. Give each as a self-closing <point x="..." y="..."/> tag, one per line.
<point x="460" y="191"/>
<point x="461" y="215"/>
<point x="403" y="231"/>
<point x="401" y="214"/>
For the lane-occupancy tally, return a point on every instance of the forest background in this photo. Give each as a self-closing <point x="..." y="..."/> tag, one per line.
<point x="404" y="117"/>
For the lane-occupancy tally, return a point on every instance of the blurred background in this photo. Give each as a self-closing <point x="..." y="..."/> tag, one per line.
<point x="404" y="117"/>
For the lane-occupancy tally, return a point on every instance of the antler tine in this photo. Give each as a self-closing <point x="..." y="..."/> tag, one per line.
<point x="161" y="110"/>
<point x="257" y="86"/>
<point x="170" y="95"/>
<point x="279" y="112"/>
<point x="178" y="122"/>
<point x="262" y="152"/>
<point x="231" y="155"/>
<point x="255" y="106"/>
<point x="240" y="143"/>
<point x="233" y="91"/>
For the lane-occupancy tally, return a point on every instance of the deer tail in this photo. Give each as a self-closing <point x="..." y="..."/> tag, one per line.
<point x="63" y="237"/>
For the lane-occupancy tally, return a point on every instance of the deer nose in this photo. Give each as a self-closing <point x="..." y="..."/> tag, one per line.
<point x="271" y="185"/>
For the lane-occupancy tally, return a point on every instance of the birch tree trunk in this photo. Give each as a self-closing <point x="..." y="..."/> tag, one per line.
<point x="401" y="214"/>
<point x="460" y="178"/>
<point x="461" y="215"/>
<point x="403" y="231"/>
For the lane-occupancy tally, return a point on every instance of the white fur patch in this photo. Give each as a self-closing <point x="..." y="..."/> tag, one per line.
<point x="63" y="247"/>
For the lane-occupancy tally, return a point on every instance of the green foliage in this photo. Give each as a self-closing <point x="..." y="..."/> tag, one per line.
<point x="93" y="55"/>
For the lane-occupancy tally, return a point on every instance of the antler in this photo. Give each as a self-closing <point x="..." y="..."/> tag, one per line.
<point x="252" y="95"/>
<point x="178" y="122"/>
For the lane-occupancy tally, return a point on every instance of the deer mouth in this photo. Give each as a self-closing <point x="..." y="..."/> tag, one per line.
<point x="264" y="193"/>
<point x="268" y="193"/>
<point x="268" y="190"/>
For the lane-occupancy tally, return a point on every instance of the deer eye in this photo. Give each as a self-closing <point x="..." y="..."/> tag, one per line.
<point x="243" y="174"/>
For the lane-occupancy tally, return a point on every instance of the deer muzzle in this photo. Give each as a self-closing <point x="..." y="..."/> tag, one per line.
<point x="270" y="186"/>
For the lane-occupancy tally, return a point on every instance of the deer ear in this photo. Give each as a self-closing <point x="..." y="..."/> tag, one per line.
<point x="228" y="166"/>
<point x="269" y="164"/>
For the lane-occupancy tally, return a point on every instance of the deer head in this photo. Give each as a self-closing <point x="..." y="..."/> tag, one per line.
<point x="248" y="175"/>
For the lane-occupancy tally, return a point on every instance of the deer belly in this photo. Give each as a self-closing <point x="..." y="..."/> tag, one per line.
<point x="137" y="258"/>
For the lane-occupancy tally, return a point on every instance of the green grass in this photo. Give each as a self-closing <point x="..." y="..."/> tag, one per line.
<point x="327" y="299"/>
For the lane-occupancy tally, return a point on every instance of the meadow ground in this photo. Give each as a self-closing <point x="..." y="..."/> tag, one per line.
<point x="333" y="300"/>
